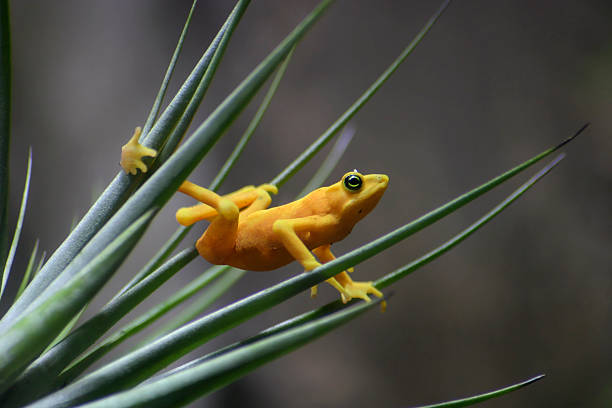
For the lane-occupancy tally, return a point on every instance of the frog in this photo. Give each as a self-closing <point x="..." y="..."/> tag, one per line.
<point x="244" y="232"/>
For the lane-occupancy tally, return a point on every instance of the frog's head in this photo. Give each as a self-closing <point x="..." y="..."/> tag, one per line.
<point x="360" y="193"/>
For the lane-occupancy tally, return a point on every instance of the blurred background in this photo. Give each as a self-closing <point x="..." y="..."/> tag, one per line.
<point x="493" y="84"/>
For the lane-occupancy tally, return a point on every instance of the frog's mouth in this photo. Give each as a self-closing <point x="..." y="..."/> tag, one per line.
<point x="382" y="180"/>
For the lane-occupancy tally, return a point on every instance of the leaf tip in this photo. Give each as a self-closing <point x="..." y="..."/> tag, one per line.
<point x="532" y="380"/>
<point x="566" y="141"/>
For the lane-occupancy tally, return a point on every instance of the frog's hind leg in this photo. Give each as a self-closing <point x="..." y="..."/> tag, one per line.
<point x="260" y="199"/>
<point x="219" y="239"/>
<point x="350" y="288"/>
<point x="251" y="197"/>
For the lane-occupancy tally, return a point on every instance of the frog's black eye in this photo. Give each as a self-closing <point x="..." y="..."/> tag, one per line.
<point x="353" y="182"/>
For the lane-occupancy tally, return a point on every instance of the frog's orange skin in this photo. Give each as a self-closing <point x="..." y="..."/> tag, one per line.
<point x="260" y="238"/>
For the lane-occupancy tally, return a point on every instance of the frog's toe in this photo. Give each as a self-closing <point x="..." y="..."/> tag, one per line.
<point x="270" y="188"/>
<point x="361" y="290"/>
<point x="313" y="291"/>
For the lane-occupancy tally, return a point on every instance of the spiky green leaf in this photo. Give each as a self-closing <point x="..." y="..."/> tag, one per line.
<point x="171" y="66"/>
<point x="24" y="201"/>
<point x="182" y="123"/>
<point x="213" y="292"/>
<point x="330" y="161"/>
<point x="187" y="385"/>
<point x="358" y="104"/>
<point x="141" y="322"/>
<point x="42" y="376"/>
<point x="161" y="186"/>
<point x="28" y="272"/>
<point x="465" y="402"/>
<point x="122" y="185"/>
<point x="399" y="273"/>
<point x="35" y="330"/>
<point x="263" y="107"/>
<point x="156" y="261"/>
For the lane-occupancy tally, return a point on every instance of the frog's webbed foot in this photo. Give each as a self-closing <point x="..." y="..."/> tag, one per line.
<point x="133" y="152"/>
<point x="361" y="290"/>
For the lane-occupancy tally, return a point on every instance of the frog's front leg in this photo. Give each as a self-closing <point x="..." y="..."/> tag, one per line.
<point x="133" y="152"/>
<point x="287" y="229"/>
<point x="325" y="255"/>
<point x="351" y="288"/>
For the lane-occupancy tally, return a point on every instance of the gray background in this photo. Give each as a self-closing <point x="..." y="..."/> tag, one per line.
<point x="493" y="84"/>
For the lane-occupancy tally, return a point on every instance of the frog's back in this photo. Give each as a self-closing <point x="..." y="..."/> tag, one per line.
<point x="259" y="248"/>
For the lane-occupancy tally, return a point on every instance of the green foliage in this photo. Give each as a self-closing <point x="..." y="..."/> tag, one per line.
<point x="44" y="352"/>
<point x="464" y="402"/>
<point x="11" y="254"/>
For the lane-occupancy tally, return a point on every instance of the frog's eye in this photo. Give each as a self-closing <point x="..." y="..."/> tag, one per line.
<point x="353" y="182"/>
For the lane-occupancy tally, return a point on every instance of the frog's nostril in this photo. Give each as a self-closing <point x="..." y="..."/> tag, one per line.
<point x="381" y="178"/>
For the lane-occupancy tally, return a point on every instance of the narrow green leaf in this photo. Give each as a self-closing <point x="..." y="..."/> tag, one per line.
<point x="164" y="86"/>
<point x="141" y="363"/>
<point x="296" y="321"/>
<point x="28" y="271"/>
<point x="42" y="376"/>
<point x="186" y="386"/>
<point x="464" y="402"/>
<point x="157" y="260"/>
<point x="17" y="234"/>
<point x="5" y="124"/>
<point x="265" y="103"/>
<point x="213" y="292"/>
<point x="162" y="184"/>
<point x="117" y="192"/>
<point x="41" y="262"/>
<point x="193" y="85"/>
<point x="33" y="331"/>
<point x="354" y="108"/>
<point x="330" y="161"/>
<point x="138" y="324"/>
<point x="427" y="258"/>
<point x="183" y="123"/>
<point x="66" y="330"/>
